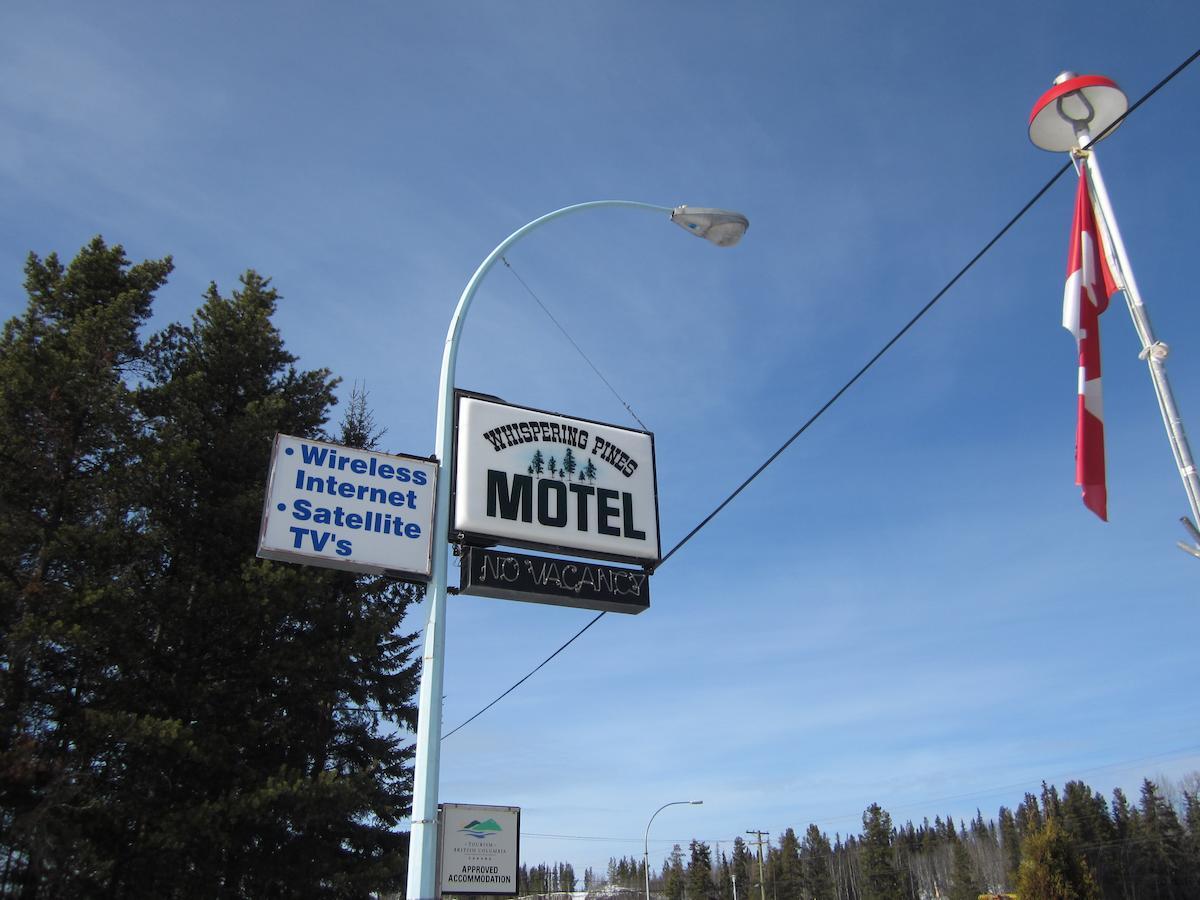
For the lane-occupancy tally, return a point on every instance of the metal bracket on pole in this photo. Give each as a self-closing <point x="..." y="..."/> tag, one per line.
<point x="1193" y="549"/>
<point x="1157" y="350"/>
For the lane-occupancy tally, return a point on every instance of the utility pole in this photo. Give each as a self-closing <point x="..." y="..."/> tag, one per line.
<point x="762" y="879"/>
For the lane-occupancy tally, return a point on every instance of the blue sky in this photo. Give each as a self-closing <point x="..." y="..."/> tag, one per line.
<point x="912" y="606"/>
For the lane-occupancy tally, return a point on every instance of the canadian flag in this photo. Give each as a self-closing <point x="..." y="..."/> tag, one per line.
<point x="1089" y="285"/>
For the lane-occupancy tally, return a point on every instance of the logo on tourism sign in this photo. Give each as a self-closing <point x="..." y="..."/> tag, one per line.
<point x="528" y="478"/>
<point x="477" y="829"/>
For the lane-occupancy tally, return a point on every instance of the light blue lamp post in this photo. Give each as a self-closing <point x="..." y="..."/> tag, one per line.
<point x="646" y="841"/>
<point x="722" y="228"/>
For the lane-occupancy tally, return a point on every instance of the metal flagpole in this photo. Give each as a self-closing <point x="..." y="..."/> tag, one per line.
<point x="1064" y="119"/>
<point x="1154" y="351"/>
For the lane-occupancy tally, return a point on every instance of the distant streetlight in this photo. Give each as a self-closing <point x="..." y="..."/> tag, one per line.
<point x="646" y="842"/>
<point x="718" y="226"/>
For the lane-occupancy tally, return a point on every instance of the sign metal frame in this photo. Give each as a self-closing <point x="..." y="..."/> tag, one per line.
<point x="553" y="580"/>
<point x="370" y="521"/>
<point x="478" y="846"/>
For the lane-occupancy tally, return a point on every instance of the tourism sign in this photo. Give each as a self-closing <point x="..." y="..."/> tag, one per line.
<point x="527" y="478"/>
<point x="480" y="848"/>
<point x="342" y="508"/>
<point x="559" y="582"/>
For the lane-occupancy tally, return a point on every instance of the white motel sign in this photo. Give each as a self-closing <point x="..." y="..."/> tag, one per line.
<point x="527" y="478"/>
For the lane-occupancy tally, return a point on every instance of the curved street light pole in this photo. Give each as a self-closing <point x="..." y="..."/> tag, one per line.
<point x="721" y="227"/>
<point x="646" y="841"/>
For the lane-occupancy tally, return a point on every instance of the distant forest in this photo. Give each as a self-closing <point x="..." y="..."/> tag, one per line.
<point x="1072" y="843"/>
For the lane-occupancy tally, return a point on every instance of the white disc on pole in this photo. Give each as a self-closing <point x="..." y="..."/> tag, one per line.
<point x="1076" y="103"/>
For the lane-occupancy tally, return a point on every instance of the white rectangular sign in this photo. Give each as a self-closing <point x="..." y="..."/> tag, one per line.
<point x="480" y="848"/>
<point x="334" y="506"/>
<point x="529" y="478"/>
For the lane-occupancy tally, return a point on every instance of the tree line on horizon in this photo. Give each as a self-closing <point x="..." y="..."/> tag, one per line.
<point x="1073" y="845"/>
<point x="177" y="717"/>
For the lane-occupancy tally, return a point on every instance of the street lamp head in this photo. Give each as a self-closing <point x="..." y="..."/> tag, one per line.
<point x="696" y="802"/>
<point x="721" y="226"/>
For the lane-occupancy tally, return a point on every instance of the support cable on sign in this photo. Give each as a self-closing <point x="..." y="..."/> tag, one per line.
<point x="578" y="349"/>
<point x="871" y="362"/>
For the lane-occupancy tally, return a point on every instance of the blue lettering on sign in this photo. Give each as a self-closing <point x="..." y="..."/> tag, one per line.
<point x="321" y="528"/>
<point x="381" y="523"/>
<point x="328" y="457"/>
<point x="319" y="540"/>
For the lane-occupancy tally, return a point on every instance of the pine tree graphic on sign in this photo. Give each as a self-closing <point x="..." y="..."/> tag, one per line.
<point x="538" y="465"/>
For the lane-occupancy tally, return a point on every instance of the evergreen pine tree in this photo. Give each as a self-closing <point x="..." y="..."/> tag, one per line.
<point x="965" y="885"/>
<point x="817" y="858"/>
<point x="673" y="880"/>
<point x="1029" y="817"/>
<point x="1160" y="867"/>
<point x="741" y="867"/>
<point x="1192" y="844"/>
<point x="279" y="673"/>
<point x="699" y="872"/>
<point x="358" y="428"/>
<point x="1052" y="869"/>
<point x="68" y="525"/>
<point x="880" y="879"/>
<point x="567" y="881"/>
<point x="1086" y="820"/>
<point x="1050" y="802"/>
<point x="724" y="876"/>
<point x="788" y="871"/>
<point x="1010" y="844"/>
<point x="179" y="717"/>
<point x="1126" y="824"/>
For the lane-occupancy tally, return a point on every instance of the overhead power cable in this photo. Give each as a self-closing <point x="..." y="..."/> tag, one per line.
<point x="857" y="375"/>
<point x="526" y="678"/>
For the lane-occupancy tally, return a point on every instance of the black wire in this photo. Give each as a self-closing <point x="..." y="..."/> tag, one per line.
<point x="526" y="678"/>
<point x="928" y="306"/>
<point x="874" y="359"/>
